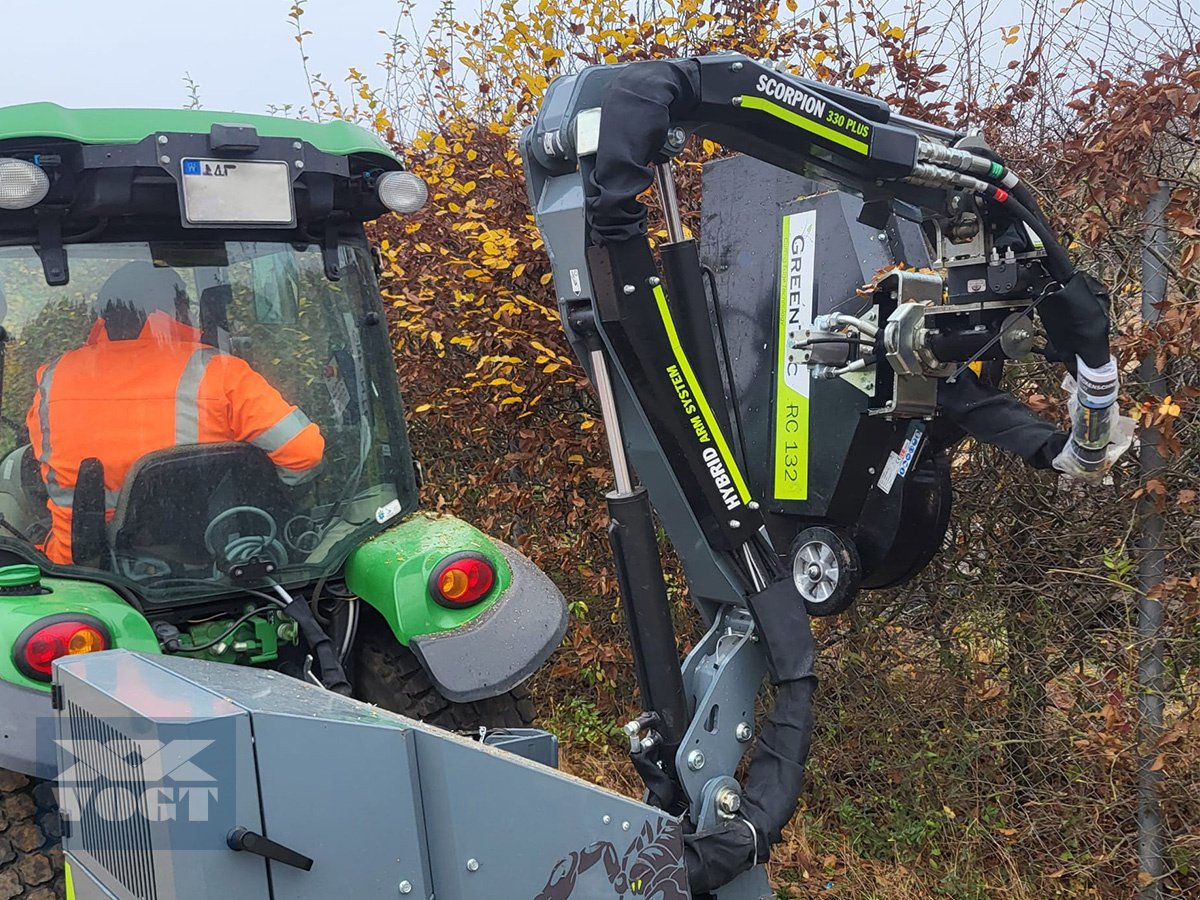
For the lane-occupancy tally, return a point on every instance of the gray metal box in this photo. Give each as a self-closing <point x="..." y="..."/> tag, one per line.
<point x="384" y="806"/>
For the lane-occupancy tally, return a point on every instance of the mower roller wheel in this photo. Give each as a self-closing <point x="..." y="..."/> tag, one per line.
<point x="826" y="569"/>
<point x="389" y="675"/>
<point x="31" y="861"/>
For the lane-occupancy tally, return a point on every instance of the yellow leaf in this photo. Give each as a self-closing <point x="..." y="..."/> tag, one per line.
<point x="948" y="811"/>
<point x="587" y="424"/>
<point x="575" y="458"/>
<point x="424" y="407"/>
<point x="860" y="70"/>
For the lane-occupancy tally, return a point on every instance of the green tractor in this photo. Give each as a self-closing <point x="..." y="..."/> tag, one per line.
<point x="202" y="441"/>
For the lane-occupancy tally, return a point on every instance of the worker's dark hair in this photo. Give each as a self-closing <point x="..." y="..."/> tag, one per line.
<point x="136" y="290"/>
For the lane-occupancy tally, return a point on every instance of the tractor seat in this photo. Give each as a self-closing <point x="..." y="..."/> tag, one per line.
<point x="170" y="496"/>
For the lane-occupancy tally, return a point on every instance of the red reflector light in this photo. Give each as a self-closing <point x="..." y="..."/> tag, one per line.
<point x="44" y="641"/>
<point x="462" y="579"/>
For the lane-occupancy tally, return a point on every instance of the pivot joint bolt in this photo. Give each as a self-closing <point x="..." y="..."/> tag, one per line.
<point x="654" y="281"/>
<point x="736" y="67"/>
<point x="405" y="887"/>
<point x="632" y="728"/>
<point x="729" y="801"/>
<point x="744" y="732"/>
<point x="472" y="865"/>
<point x="629" y="289"/>
<point x="695" y="760"/>
<point x="676" y="138"/>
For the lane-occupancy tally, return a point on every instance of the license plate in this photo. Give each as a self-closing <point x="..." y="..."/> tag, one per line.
<point x="241" y="192"/>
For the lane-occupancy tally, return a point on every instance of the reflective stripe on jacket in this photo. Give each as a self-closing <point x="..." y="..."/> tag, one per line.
<point x="119" y="400"/>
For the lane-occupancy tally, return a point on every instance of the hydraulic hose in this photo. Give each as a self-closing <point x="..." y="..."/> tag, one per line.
<point x="333" y="676"/>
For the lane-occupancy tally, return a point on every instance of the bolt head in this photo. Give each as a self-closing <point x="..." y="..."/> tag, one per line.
<point x="654" y="281"/>
<point x="736" y="67"/>
<point x="632" y="728"/>
<point x="299" y="164"/>
<point x="736" y="101"/>
<point x="729" y="801"/>
<point x="629" y="289"/>
<point x="606" y="820"/>
<point x="814" y="572"/>
<point x="405" y="887"/>
<point x="164" y="159"/>
<point x="472" y="865"/>
<point x="695" y="760"/>
<point x="296" y="145"/>
<point x="744" y="731"/>
<point x="735" y="523"/>
<point x="753" y="504"/>
<point x="162" y="138"/>
<point x="624" y="826"/>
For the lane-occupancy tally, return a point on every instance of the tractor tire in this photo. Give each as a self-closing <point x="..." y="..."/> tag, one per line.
<point x="31" y="860"/>
<point x="389" y="675"/>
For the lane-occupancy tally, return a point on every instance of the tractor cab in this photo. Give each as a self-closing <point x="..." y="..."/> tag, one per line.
<point x="202" y="442"/>
<point x="235" y="243"/>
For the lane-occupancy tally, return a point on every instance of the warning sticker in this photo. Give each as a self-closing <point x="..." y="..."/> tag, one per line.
<point x="891" y="469"/>
<point x="899" y="464"/>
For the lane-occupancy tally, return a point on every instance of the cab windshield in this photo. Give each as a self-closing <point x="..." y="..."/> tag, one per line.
<point x="184" y="418"/>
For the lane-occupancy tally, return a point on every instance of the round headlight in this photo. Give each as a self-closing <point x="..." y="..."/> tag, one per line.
<point x="22" y="184"/>
<point x="402" y="192"/>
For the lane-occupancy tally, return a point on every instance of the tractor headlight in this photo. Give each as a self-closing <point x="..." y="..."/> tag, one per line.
<point x="22" y="184"/>
<point x="402" y="192"/>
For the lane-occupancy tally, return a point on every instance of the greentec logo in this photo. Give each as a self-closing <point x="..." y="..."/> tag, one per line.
<point x="792" y="375"/>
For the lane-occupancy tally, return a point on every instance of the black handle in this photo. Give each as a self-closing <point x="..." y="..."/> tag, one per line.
<point x="252" y="842"/>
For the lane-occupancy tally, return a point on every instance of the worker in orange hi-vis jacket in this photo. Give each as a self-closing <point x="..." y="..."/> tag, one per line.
<point x="145" y="381"/>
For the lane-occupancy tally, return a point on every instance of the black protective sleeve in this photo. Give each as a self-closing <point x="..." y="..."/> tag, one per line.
<point x="776" y="773"/>
<point x="1076" y="320"/>
<point x="995" y="417"/>
<point x="639" y="107"/>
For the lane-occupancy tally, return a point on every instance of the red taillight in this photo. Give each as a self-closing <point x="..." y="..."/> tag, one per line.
<point x="462" y="579"/>
<point x="45" y="641"/>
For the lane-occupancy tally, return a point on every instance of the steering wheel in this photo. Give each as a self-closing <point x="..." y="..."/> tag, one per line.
<point x="243" y="548"/>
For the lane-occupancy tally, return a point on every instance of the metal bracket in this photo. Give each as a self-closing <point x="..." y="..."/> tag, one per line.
<point x="909" y="295"/>
<point x="722" y="676"/>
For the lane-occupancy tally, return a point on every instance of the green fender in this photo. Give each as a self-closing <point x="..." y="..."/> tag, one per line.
<point x="26" y="716"/>
<point x="473" y="653"/>
<point x="126" y="626"/>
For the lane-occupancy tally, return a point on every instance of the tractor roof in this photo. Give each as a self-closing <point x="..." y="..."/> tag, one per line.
<point x="130" y="126"/>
